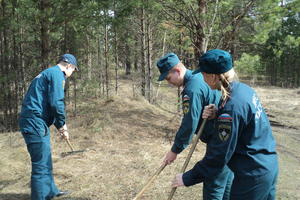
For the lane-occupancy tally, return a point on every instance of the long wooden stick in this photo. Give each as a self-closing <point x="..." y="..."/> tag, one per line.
<point x="139" y="195"/>
<point x="70" y="145"/>
<point x="187" y="160"/>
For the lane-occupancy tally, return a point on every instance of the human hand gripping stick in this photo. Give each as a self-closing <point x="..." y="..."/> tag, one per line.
<point x="210" y="112"/>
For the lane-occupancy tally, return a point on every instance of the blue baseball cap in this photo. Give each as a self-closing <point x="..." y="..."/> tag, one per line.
<point x="215" y="61"/>
<point x="69" y="58"/>
<point x="165" y="64"/>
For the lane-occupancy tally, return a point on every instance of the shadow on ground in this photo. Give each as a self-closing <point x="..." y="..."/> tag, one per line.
<point x="23" y="196"/>
<point x="14" y="196"/>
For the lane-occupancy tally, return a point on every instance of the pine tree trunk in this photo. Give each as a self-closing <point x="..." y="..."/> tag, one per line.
<point x="15" y="77"/>
<point x="127" y="59"/>
<point x="149" y="61"/>
<point x="199" y="40"/>
<point x="44" y="22"/>
<point x="106" y="60"/>
<point x="5" y="72"/>
<point x="99" y="62"/>
<point x="178" y="89"/>
<point x="143" y="53"/>
<point x="116" y="55"/>
<point x="89" y="58"/>
<point x="75" y="97"/>
<point x="164" y="43"/>
<point x="297" y="68"/>
<point x="116" y="63"/>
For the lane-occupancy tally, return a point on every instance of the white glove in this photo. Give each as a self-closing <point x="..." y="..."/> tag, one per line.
<point x="63" y="131"/>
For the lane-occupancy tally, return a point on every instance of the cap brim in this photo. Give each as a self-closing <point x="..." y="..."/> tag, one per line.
<point x="163" y="76"/>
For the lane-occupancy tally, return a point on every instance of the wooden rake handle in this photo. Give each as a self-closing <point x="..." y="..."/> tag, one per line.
<point x="187" y="160"/>
<point x="139" y="195"/>
<point x="69" y="144"/>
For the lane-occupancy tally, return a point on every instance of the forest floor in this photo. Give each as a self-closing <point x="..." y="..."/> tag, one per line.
<point x="126" y="139"/>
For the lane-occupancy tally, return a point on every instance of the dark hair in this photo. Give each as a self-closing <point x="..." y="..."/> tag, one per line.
<point x="63" y="63"/>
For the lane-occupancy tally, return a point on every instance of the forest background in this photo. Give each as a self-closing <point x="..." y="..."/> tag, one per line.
<point x="115" y="37"/>
<point x="117" y="111"/>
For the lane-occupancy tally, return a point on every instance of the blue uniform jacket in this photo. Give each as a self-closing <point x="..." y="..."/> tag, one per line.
<point x="43" y="104"/>
<point x="242" y="139"/>
<point x="195" y="95"/>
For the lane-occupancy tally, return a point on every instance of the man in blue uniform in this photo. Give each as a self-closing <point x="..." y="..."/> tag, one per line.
<point x="242" y="137"/>
<point x="43" y="106"/>
<point x="195" y="95"/>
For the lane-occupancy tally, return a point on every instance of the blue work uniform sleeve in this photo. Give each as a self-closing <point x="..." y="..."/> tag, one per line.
<point x="192" y="109"/>
<point x="219" y="149"/>
<point x="56" y="99"/>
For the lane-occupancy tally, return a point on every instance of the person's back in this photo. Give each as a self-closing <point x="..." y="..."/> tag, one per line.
<point x="44" y="98"/>
<point x="256" y="145"/>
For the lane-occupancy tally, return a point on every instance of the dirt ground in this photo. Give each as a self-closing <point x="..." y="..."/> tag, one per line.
<point x="126" y="138"/>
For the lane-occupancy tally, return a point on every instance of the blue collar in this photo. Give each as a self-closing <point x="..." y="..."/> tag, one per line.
<point x="56" y="66"/>
<point x="187" y="76"/>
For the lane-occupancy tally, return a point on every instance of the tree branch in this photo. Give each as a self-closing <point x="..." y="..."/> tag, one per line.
<point x="211" y="25"/>
<point x="236" y="19"/>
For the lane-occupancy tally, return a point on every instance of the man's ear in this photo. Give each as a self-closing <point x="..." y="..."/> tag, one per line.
<point x="176" y="69"/>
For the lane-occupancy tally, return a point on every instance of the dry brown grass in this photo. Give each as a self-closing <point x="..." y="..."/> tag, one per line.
<point x="126" y="138"/>
<point x="284" y="107"/>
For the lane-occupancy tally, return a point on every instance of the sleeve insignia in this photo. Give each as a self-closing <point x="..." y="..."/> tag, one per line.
<point x="224" y="126"/>
<point x="185" y="98"/>
<point x="185" y="104"/>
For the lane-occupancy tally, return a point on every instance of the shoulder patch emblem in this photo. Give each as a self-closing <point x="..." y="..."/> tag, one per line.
<point x="224" y="126"/>
<point x="185" y="98"/>
<point x="224" y="132"/>
<point x="224" y="118"/>
<point x="185" y="104"/>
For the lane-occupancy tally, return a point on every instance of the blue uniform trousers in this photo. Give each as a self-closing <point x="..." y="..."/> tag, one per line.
<point x="218" y="187"/>
<point x="255" y="187"/>
<point x="42" y="182"/>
